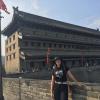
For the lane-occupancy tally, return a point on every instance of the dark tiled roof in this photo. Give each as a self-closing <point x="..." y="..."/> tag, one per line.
<point x="23" y="16"/>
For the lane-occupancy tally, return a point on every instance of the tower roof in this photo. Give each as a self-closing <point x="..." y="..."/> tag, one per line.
<point x="22" y="17"/>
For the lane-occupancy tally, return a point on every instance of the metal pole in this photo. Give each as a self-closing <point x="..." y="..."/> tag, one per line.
<point x="1" y="88"/>
<point x="82" y="58"/>
<point x="48" y="58"/>
<point x="20" y="88"/>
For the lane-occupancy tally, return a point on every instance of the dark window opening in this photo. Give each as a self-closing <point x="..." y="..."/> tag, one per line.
<point x="14" y="55"/>
<point x="50" y="45"/>
<point x="32" y="43"/>
<point x="38" y="44"/>
<point x="7" y="58"/>
<point x="55" y="45"/>
<point x="60" y="45"/>
<point x="25" y="43"/>
<point x="31" y="64"/>
<point x="44" y="44"/>
<point x="10" y="40"/>
<point x="13" y="46"/>
<point x="64" y="46"/>
<point x="10" y="48"/>
<point x="13" y="37"/>
<point x="6" y="49"/>
<point x="10" y="57"/>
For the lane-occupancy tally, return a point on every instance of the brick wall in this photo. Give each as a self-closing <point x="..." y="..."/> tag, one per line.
<point x="30" y="89"/>
<point x="27" y="90"/>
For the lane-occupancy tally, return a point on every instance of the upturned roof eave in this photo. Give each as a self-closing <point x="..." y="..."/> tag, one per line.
<point x="45" y="21"/>
<point x="9" y="27"/>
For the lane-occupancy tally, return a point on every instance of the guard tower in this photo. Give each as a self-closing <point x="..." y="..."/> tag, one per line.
<point x="29" y="36"/>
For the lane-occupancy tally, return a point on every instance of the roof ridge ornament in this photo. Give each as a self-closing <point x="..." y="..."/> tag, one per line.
<point x="15" y="9"/>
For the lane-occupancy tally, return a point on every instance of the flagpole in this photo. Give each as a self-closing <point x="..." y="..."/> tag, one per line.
<point x="1" y="87"/>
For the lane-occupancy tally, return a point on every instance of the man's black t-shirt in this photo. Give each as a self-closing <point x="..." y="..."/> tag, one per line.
<point x="60" y="73"/>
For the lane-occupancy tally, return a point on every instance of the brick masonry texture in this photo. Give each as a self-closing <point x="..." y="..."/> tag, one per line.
<point x="33" y="89"/>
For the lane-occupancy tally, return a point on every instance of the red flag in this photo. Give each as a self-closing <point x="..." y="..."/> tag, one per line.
<point x="3" y="6"/>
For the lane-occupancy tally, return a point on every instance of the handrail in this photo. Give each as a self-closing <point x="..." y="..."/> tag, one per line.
<point x="83" y="83"/>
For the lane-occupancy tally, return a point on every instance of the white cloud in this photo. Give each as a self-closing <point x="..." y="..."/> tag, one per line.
<point x="94" y="23"/>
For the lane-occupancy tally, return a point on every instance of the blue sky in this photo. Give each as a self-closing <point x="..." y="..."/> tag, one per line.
<point x="80" y="12"/>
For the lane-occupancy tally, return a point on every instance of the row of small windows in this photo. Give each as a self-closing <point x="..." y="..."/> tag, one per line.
<point x="10" y="57"/>
<point x="10" y="39"/>
<point x="44" y="44"/>
<point x="69" y="34"/>
<point x="54" y="45"/>
<point x="10" y="48"/>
